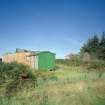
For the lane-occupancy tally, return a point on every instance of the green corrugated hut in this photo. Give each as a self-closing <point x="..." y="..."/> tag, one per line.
<point x="43" y="60"/>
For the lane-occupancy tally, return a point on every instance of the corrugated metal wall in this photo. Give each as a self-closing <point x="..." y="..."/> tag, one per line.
<point x="46" y="60"/>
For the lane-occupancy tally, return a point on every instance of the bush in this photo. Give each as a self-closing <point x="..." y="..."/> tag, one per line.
<point x="96" y="64"/>
<point x="69" y="62"/>
<point x="14" y="71"/>
<point x="16" y="76"/>
<point x="93" y="64"/>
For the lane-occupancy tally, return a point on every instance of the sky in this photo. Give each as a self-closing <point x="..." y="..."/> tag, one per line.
<point x="60" y="26"/>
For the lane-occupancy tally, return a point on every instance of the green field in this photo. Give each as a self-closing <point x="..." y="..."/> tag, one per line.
<point x="65" y="86"/>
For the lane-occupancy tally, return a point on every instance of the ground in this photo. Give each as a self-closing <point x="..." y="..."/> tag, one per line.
<point x="65" y="86"/>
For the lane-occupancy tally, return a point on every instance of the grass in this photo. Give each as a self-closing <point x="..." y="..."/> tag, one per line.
<point x="65" y="86"/>
<point x="92" y="64"/>
<point x="80" y="93"/>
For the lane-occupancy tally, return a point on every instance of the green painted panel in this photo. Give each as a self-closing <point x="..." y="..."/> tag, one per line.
<point x="46" y="61"/>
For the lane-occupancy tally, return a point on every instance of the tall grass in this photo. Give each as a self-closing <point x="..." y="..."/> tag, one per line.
<point x="80" y="93"/>
<point x="14" y="71"/>
<point x="69" y="85"/>
<point x="11" y="77"/>
<point x="93" y="64"/>
<point x="70" y="75"/>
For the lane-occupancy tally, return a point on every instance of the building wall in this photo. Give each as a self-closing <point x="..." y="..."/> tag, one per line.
<point x="8" y="58"/>
<point x="20" y="57"/>
<point x="44" y="60"/>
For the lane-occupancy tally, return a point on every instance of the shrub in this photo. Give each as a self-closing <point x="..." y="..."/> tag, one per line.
<point x="16" y="76"/>
<point x="69" y="62"/>
<point x="96" y="64"/>
<point x="93" y="64"/>
<point x="14" y="71"/>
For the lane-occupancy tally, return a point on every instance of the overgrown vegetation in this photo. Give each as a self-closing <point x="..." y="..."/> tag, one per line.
<point x="14" y="71"/>
<point x="76" y="81"/>
<point x="95" y="47"/>
<point x="12" y="76"/>
<point x="75" y="85"/>
<point x="90" y="65"/>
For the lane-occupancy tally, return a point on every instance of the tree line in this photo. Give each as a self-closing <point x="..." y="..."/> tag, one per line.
<point x="94" y="47"/>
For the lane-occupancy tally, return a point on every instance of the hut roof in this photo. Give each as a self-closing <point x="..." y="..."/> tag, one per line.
<point x="34" y="53"/>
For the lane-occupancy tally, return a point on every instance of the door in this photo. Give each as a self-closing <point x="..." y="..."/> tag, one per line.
<point x="36" y="62"/>
<point x="33" y="61"/>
